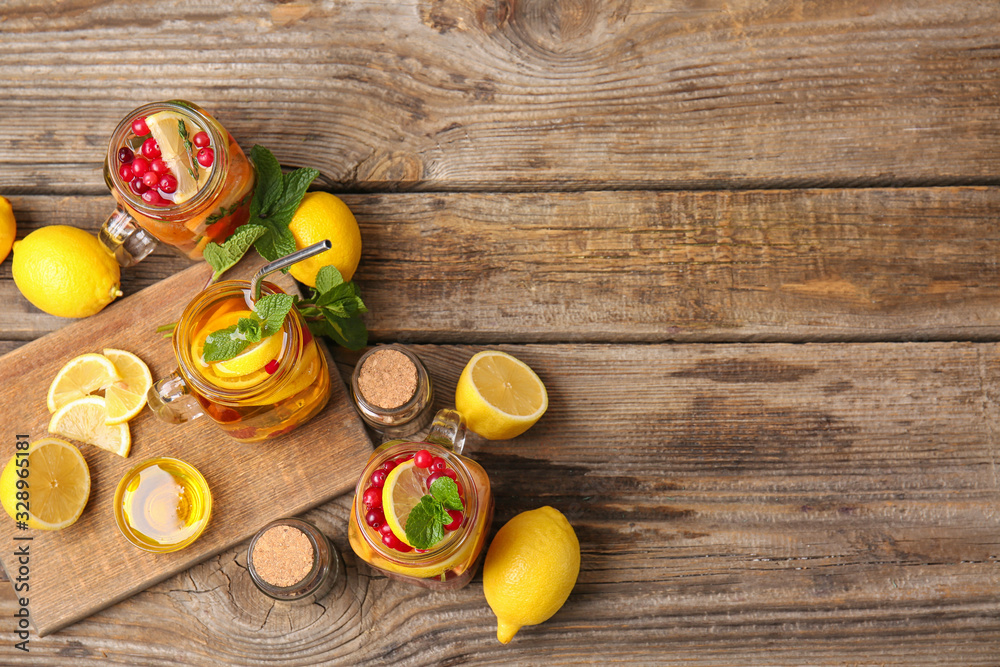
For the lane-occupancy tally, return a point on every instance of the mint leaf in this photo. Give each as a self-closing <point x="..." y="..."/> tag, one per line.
<point x="272" y="310"/>
<point x="225" y="344"/>
<point x="250" y="329"/>
<point x="350" y="333"/>
<point x="424" y="527"/>
<point x="270" y="184"/>
<point x="276" y="243"/>
<point x="445" y="491"/>
<point x="295" y="184"/>
<point x="224" y="257"/>
<point x="327" y="278"/>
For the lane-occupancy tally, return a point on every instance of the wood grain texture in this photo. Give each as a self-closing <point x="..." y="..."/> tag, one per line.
<point x="778" y="265"/>
<point x="521" y="94"/>
<point x="84" y="568"/>
<point x="770" y="504"/>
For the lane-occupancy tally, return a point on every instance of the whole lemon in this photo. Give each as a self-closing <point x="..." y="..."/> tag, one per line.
<point x="65" y="271"/>
<point x="323" y="216"/>
<point x="8" y="228"/>
<point x="530" y="569"/>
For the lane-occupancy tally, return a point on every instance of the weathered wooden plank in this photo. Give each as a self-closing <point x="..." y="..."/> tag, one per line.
<point x="521" y="95"/>
<point x="740" y="504"/>
<point x="891" y="264"/>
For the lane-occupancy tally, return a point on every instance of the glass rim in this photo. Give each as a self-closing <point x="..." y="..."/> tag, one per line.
<point x="119" y="512"/>
<point x="182" y="345"/>
<point x="447" y="547"/>
<point x="219" y="166"/>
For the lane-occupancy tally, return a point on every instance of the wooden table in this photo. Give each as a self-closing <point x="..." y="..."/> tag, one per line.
<point x="751" y="248"/>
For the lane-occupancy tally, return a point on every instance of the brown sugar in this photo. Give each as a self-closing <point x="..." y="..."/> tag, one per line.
<point x="283" y="556"/>
<point x="388" y="379"/>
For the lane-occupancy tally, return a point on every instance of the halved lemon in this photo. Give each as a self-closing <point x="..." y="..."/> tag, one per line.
<point x="402" y="491"/>
<point x="126" y="397"/>
<point x="165" y="128"/>
<point x="84" y="420"/>
<point x="59" y="484"/>
<point x="79" y="377"/>
<point x="499" y="395"/>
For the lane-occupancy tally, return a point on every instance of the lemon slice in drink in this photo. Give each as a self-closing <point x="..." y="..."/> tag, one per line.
<point x="500" y="396"/>
<point x="402" y="491"/>
<point x="84" y="420"/>
<point x="79" y="377"/>
<point x="126" y="397"/>
<point x="165" y="128"/>
<point x="251" y="359"/>
<point x="59" y="484"/>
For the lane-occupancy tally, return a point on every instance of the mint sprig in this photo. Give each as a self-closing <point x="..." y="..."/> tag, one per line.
<point x="425" y="525"/>
<point x="268" y="317"/>
<point x="334" y="309"/>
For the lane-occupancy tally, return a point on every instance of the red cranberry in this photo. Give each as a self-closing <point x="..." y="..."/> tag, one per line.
<point x="423" y="458"/>
<point x="372" y="497"/>
<point x="125" y="154"/>
<point x="150" y="148"/>
<point x="451" y="473"/>
<point x="139" y="127"/>
<point x="137" y="186"/>
<point x="385" y="529"/>
<point x="378" y="478"/>
<point x="153" y="198"/>
<point x="272" y="367"/>
<point x="388" y="465"/>
<point x="206" y="156"/>
<point x="150" y="179"/>
<point x="375" y="518"/>
<point x="438" y="464"/>
<point x="159" y="166"/>
<point x="140" y="166"/>
<point x="404" y="547"/>
<point x="456" y="520"/>
<point x="391" y="541"/>
<point x="125" y="171"/>
<point x="168" y="183"/>
<point x="201" y="139"/>
<point x="433" y="477"/>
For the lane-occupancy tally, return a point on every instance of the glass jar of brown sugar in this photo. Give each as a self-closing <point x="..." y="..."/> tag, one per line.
<point x="293" y="561"/>
<point x="392" y="391"/>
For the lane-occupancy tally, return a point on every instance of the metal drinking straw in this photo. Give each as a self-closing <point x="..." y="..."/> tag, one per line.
<point x="284" y="263"/>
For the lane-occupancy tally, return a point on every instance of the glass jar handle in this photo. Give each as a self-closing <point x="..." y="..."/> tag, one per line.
<point x="171" y="400"/>
<point x="448" y="430"/>
<point x="125" y="239"/>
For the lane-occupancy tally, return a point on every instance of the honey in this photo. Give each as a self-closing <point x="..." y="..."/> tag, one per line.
<point x="162" y="505"/>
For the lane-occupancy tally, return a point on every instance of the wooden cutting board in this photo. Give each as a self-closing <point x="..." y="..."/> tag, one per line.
<point x="88" y="566"/>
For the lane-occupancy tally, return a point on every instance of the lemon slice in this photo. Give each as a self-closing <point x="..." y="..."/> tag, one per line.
<point x="251" y="359"/>
<point x="402" y="491"/>
<point x="79" y="377"/>
<point x="126" y="397"/>
<point x="165" y="128"/>
<point x="499" y="395"/>
<point x="59" y="485"/>
<point x="84" y="420"/>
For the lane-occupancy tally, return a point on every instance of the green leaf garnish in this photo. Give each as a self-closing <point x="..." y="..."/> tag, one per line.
<point x="269" y="315"/>
<point x="224" y="257"/>
<point x="445" y="491"/>
<point x="192" y="165"/>
<point x="334" y="307"/>
<point x="425" y="525"/>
